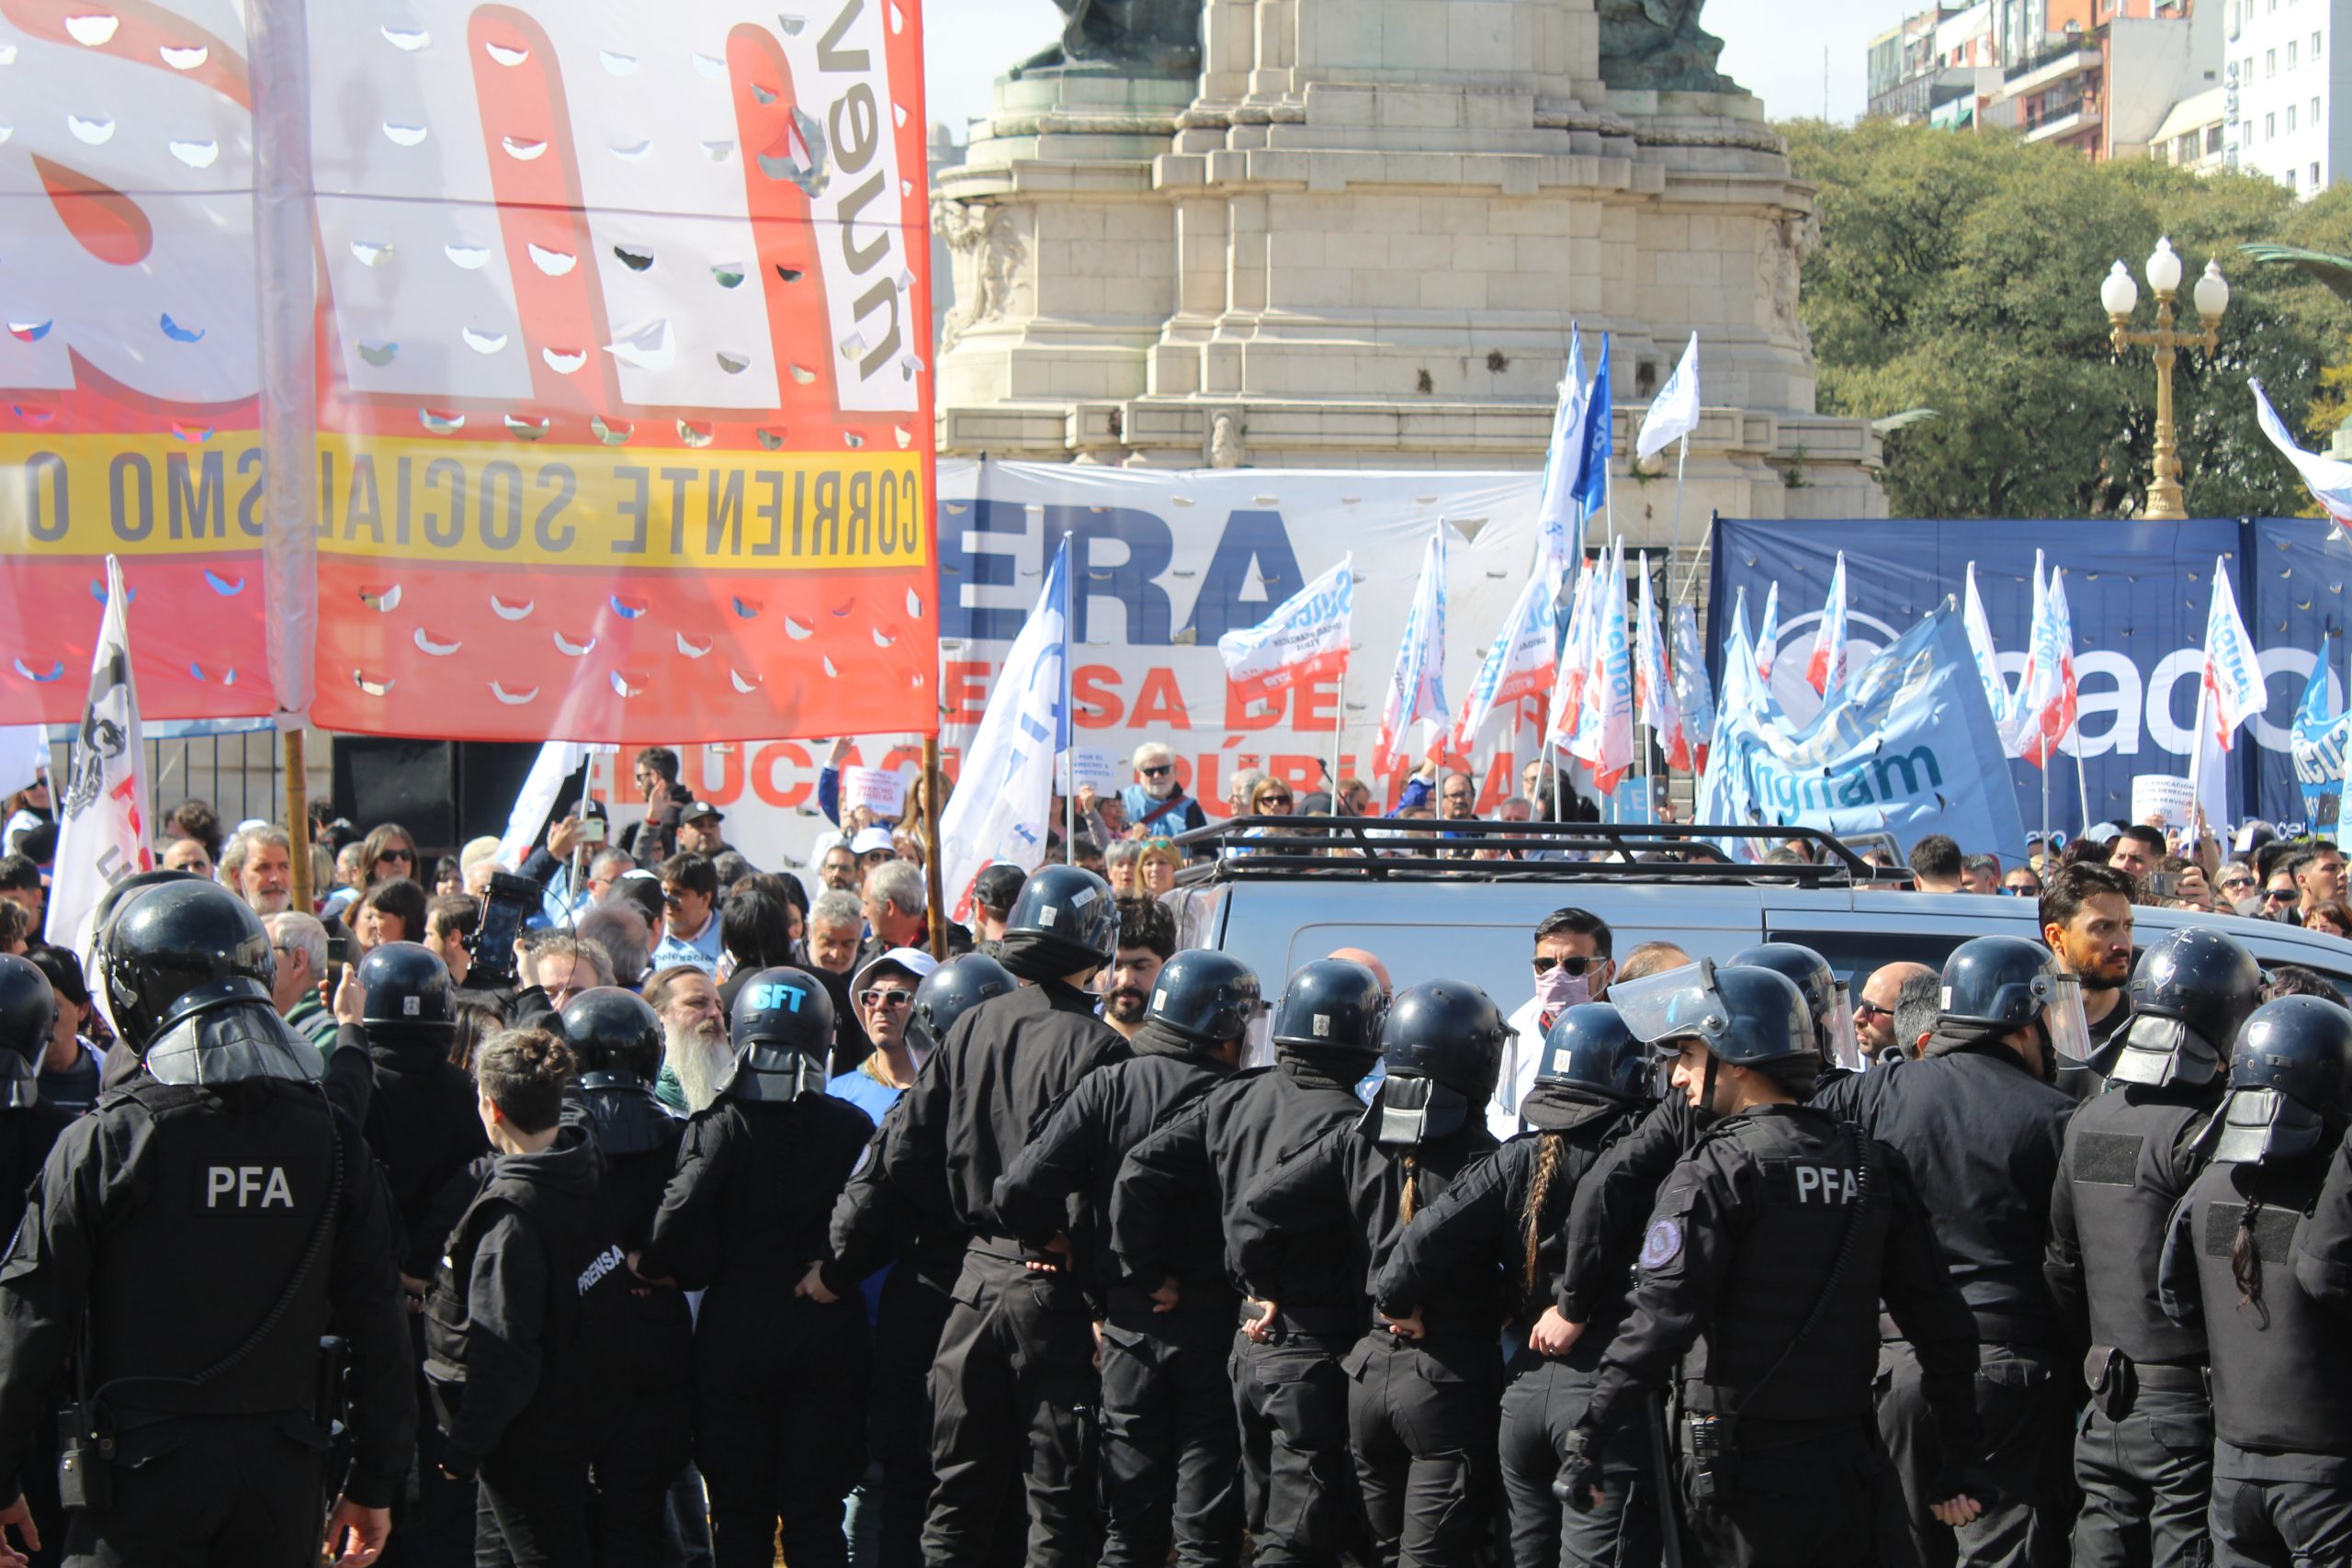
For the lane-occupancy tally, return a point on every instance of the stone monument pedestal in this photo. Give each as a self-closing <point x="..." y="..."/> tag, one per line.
<point x="1357" y="240"/>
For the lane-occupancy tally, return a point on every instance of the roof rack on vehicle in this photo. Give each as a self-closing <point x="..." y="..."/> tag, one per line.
<point x="1423" y="848"/>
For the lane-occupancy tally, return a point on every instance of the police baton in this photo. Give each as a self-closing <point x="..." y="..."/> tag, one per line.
<point x="1662" y="1467"/>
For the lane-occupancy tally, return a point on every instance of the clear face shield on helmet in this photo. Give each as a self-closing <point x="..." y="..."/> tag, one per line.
<point x="1673" y="1003"/>
<point x="2061" y="1017"/>
<point x="1843" y="1045"/>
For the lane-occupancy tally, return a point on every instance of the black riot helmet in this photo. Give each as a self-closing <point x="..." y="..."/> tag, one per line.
<point x="1069" y="904"/>
<point x="1589" y="1048"/>
<point x="1442" y="1041"/>
<point x="407" y="986"/>
<point x="1823" y="993"/>
<point x="950" y="991"/>
<point x="1332" y="1004"/>
<point x="1745" y="1016"/>
<point x="1206" y="996"/>
<point x="2001" y="982"/>
<point x="176" y="949"/>
<point x="783" y="1032"/>
<point x="784" y="1007"/>
<point x="27" y="1007"/>
<point x="615" y="1036"/>
<point x="2291" y="1081"/>
<point x="2193" y="991"/>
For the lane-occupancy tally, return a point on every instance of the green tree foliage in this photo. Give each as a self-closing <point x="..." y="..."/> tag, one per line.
<point x="1961" y="272"/>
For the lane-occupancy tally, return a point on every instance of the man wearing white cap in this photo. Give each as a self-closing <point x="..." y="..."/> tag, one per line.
<point x="884" y="991"/>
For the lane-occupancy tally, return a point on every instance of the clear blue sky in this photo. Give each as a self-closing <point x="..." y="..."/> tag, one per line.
<point x="970" y="42"/>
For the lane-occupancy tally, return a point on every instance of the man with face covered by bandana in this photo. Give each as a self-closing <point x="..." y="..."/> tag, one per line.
<point x="1572" y="965"/>
<point x="1981" y="1125"/>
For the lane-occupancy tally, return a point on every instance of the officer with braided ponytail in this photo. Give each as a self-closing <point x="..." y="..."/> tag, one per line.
<point x="2258" y="1254"/>
<point x="1773" y="1243"/>
<point x="1422" y="1391"/>
<point x="1593" y="1079"/>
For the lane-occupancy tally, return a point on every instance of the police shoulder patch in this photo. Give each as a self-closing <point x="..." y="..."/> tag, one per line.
<point x="1663" y="1244"/>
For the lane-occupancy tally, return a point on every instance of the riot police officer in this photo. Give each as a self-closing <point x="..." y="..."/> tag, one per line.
<point x="617" y="1040"/>
<point x="198" y="1234"/>
<point x="1770" y="1247"/>
<point x="1592" y="1080"/>
<point x="1016" y="1374"/>
<point x="779" y="1363"/>
<point x="2143" y="1451"/>
<point x="1981" y="1124"/>
<point x="1423" y="1390"/>
<point x="1171" y="1453"/>
<point x="417" y="1110"/>
<point x="1825" y="999"/>
<point x="1178" y="1190"/>
<point x="875" y="1228"/>
<point x="28" y="1128"/>
<point x="2255" y="1254"/>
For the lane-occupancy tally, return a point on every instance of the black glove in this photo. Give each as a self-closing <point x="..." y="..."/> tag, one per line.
<point x="1579" y="1472"/>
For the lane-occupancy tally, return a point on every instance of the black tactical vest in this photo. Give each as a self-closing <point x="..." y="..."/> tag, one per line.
<point x="236" y="1183"/>
<point x="2121" y="1167"/>
<point x="588" y="1284"/>
<point x="2282" y="1370"/>
<point x="1807" y="1186"/>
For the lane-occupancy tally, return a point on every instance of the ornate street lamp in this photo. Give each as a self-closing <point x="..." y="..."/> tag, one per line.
<point x="2121" y="296"/>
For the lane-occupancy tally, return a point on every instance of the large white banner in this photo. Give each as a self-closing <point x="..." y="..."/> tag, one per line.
<point x="1162" y="564"/>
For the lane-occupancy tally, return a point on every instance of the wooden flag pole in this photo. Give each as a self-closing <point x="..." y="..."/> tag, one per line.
<point x="935" y="892"/>
<point x="298" y="821"/>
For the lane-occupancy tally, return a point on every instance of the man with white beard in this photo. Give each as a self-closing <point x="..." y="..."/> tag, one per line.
<point x="695" y="1053"/>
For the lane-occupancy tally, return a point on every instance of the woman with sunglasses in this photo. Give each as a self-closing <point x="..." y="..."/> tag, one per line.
<point x="388" y="852"/>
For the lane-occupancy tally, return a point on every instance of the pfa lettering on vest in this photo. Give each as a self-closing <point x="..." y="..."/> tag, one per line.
<point x="247" y="1187"/>
<point x="1827" y="1184"/>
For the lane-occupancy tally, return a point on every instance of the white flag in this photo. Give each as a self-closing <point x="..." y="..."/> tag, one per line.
<point x="1004" y="792"/>
<point x="1694" y="699"/>
<point x="1605" y="738"/>
<point x="1675" y="414"/>
<point x="1988" y="668"/>
<point x="1825" y="672"/>
<point x="1520" y="661"/>
<point x="557" y="760"/>
<point x="2233" y="671"/>
<point x="1768" y="632"/>
<point x="1559" y="523"/>
<point x="1654" y="695"/>
<point x="1416" y="686"/>
<point x="2328" y="478"/>
<point x="101" y="829"/>
<point x="1302" y="639"/>
<point x="1576" y="658"/>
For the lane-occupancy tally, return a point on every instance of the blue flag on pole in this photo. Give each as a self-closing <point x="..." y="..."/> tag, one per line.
<point x="1596" y="440"/>
<point x="1901" y="748"/>
<point x="2316" y="742"/>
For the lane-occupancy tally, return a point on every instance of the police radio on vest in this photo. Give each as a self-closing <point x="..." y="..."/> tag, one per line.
<point x="248" y="1183"/>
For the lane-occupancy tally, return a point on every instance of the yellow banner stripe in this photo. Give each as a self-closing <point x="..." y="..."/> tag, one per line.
<point x="473" y="503"/>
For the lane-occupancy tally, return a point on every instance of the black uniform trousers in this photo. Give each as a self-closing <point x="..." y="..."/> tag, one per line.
<point x="2146" y="1465"/>
<point x="1299" y="1485"/>
<point x="907" y="1319"/>
<point x="2280" y="1510"/>
<point x="1543" y="1400"/>
<point x="1421" y="1419"/>
<point x="1794" y="1495"/>
<point x="633" y="1470"/>
<point x="209" y="1492"/>
<point x="434" y="1517"/>
<point x="2025" y="1398"/>
<point x="1012" y="1393"/>
<point x="532" y="1508"/>
<point x="779" y="1421"/>
<point x="1170" y="1447"/>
